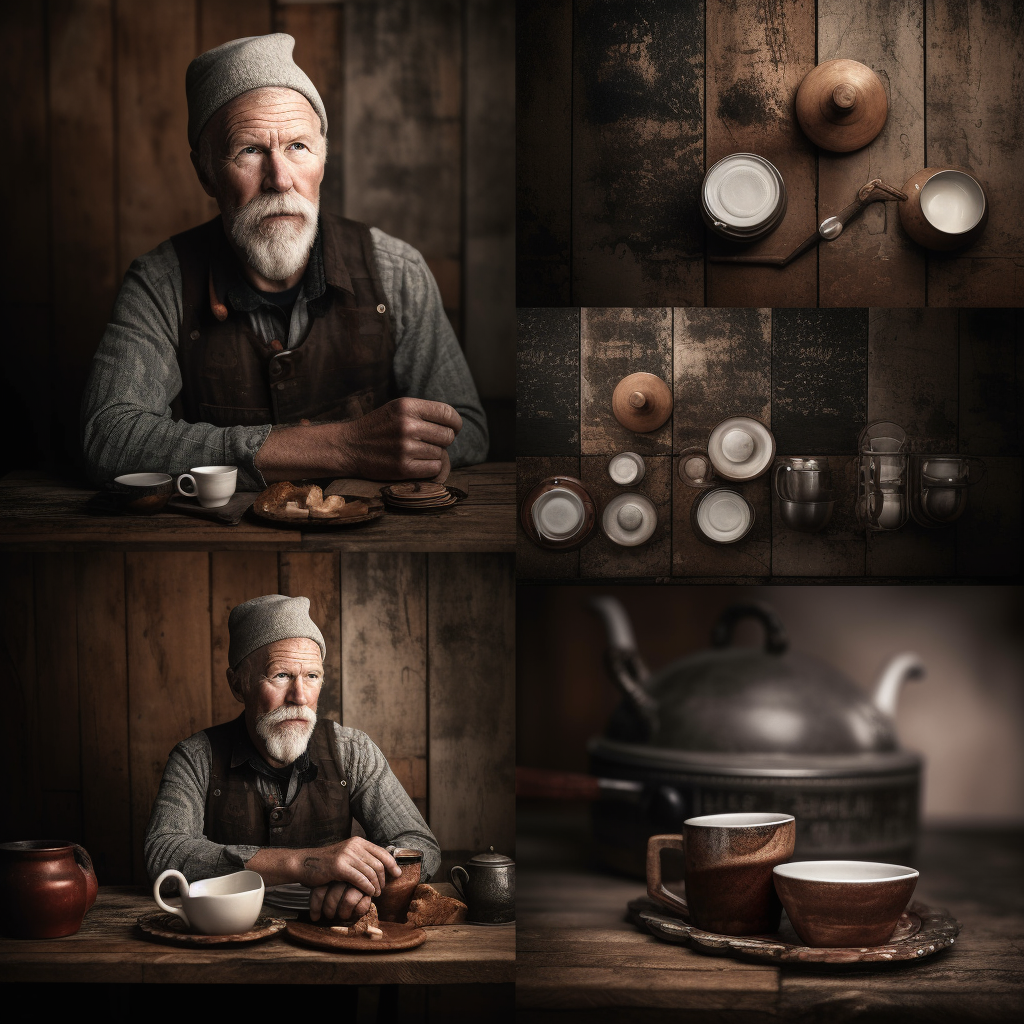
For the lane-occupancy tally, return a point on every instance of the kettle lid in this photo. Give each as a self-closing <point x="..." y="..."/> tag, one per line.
<point x="490" y="859"/>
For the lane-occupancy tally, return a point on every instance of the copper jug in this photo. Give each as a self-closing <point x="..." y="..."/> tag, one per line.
<point x="46" y="887"/>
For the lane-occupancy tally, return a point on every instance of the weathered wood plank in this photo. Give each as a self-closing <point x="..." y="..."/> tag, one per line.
<point x="819" y="380"/>
<point x="384" y="659"/>
<point x="533" y="562"/>
<point x="988" y="534"/>
<point x="223" y="20"/>
<point x="317" y="576"/>
<point x="913" y="365"/>
<point x="637" y="153"/>
<point x="603" y="558"/>
<point x="991" y="382"/>
<point x="758" y="53"/>
<point x="103" y="688"/>
<point x="235" y="576"/>
<point x="613" y="344"/>
<point x="56" y="694"/>
<point x="874" y="262"/>
<point x="319" y="31"/>
<point x="158" y="193"/>
<point x="471" y="687"/>
<point x="839" y="549"/>
<point x="543" y="152"/>
<point x="168" y="633"/>
<point x="973" y="96"/>
<point x="548" y="382"/>
<point x="722" y="367"/>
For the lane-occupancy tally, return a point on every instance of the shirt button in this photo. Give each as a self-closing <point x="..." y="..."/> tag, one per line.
<point x="195" y="334"/>
<point x="216" y="792"/>
<point x="280" y="387"/>
<point x="344" y="782"/>
<point x="382" y="308"/>
<point x="276" y="816"/>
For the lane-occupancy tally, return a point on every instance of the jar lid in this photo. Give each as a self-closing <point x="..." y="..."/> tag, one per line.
<point x="403" y="856"/>
<point x="741" y="448"/>
<point x="490" y="859"/>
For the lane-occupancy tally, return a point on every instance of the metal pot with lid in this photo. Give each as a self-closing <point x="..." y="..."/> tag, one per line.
<point x="738" y="729"/>
<point x="487" y="884"/>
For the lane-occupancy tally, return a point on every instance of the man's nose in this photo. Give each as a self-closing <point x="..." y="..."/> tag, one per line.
<point x="276" y="173"/>
<point x="302" y="690"/>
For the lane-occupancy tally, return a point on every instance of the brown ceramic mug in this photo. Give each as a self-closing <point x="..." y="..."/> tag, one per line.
<point x="728" y="862"/>
<point x="393" y="902"/>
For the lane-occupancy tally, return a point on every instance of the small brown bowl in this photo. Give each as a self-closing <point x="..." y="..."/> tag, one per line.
<point x="142" y="493"/>
<point x="843" y="904"/>
<point x="921" y="229"/>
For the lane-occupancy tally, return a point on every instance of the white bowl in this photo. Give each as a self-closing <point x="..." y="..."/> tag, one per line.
<point x="741" y="448"/>
<point x="723" y="516"/>
<point x="629" y="520"/>
<point x="742" y="191"/>
<point x="558" y="514"/>
<point x="952" y="202"/>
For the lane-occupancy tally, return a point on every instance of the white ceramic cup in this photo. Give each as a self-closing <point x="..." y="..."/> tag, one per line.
<point x="952" y="202"/>
<point x="212" y="485"/>
<point x="626" y="468"/>
<point x="228" y="905"/>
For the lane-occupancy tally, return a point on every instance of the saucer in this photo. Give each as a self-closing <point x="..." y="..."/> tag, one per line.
<point x="171" y="928"/>
<point x="741" y="448"/>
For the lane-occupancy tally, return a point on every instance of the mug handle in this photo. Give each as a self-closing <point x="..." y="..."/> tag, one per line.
<point x="92" y="884"/>
<point x="655" y="886"/>
<point x="194" y="493"/>
<point x="182" y="889"/>
<point x="458" y="885"/>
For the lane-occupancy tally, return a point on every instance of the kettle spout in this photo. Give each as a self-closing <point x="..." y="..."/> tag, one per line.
<point x="902" y="668"/>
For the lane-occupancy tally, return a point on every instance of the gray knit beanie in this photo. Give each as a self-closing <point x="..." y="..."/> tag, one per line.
<point x="263" y="620"/>
<point x="255" y="62"/>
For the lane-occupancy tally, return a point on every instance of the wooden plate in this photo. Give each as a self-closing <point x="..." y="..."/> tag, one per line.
<point x="921" y="932"/>
<point x="424" y="504"/>
<point x="171" y="928"/>
<point x="376" y="510"/>
<point x="396" y="937"/>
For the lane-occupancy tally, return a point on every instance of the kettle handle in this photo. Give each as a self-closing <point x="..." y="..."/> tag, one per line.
<point x="92" y="884"/>
<point x="458" y="885"/>
<point x="775" y="639"/>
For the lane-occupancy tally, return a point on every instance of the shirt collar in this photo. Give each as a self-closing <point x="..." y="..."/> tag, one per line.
<point x="244" y="752"/>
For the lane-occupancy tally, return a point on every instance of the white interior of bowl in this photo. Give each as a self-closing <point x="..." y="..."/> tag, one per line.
<point x="227" y="885"/>
<point x="558" y="514"/>
<point x="142" y="479"/>
<point x="844" y="871"/>
<point x="623" y="469"/>
<point x="629" y="519"/>
<point x="952" y="201"/>
<point x="724" y="516"/>
<point x="214" y="470"/>
<point x="742" y="191"/>
<point x="739" y="820"/>
<point x="741" y="448"/>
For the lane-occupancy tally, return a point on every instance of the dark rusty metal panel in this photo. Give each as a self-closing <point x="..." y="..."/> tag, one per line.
<point x="638" y="152"/>
<point x="991" y="382"/>
<point x="988" y="534"/>
<point x="913" y="374"/>
<point x="722" y="367"/>
<point x="819" y="380"/>
<point x="548" y="382"/>
<point x="912" y="551"/>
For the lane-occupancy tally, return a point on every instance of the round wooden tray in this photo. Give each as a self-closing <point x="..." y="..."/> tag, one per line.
<point x="426" y="508"/>
<point x="396" y="937"/>
<point x="921" y="932"/>
<point x="171" y="928"/>
<point x="376" y="511"/>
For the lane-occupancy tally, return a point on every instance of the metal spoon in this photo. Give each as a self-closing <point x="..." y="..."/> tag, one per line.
<point x="875" y="191"/>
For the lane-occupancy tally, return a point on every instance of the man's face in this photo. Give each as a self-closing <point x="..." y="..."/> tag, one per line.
<point x="263" y="162"/>
<point x="281" y="695"/>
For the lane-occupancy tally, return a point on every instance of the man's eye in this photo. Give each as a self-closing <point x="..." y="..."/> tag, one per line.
<point x="298" y="145"/>
<point x="250" y="149"/>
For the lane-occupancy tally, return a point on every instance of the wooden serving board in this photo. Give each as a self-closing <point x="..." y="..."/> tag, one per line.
<point x="396" y="937"/>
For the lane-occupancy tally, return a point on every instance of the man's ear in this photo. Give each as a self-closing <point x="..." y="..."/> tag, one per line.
<point x="235" y="682"/>
<point x="207" y="186"/>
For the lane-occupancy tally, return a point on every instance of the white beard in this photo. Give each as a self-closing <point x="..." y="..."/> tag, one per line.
<point x="286" y="742"/>
<point x="275" y="249"/>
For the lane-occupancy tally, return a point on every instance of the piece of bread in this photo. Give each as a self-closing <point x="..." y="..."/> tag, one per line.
<point x="314" y="497"/>
<point x="429" y="907"/>
<point x="368" y="920"/>
<point x="330" y="508"/>
<point x="293" y="510"/>
<point x="276" y="496"/>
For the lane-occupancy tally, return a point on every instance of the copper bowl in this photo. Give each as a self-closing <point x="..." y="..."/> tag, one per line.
<point x="142" y="493"/>
<point x="926" y="233"/>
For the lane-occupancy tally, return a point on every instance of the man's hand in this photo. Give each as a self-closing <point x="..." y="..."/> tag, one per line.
<point x="339" y="901"/>
<point x="403" y="440"/>
<point x="356" y="862"/>
<point x="406" y="439"/>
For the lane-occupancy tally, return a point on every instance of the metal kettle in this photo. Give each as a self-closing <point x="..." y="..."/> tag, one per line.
<point x="487" y="885"/>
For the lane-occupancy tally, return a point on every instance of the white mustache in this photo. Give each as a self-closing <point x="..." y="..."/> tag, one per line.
<point x="253" y="216"/>
<point x="286" y="713"/>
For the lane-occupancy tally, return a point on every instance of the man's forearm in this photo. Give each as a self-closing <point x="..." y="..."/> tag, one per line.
<point x="303" y="452"/>
<point x="278" y="865"/>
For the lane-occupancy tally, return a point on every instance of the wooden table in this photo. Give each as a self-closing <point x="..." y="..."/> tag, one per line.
<point x="577" y="954"/>
<point x="109" y="949"/>
<point x="621" y="108"/>
<point x="41" y="513"/>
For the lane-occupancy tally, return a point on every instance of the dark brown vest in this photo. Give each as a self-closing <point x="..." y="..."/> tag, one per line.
<point x="236" y="813"/>
<point x="231" y="377"/>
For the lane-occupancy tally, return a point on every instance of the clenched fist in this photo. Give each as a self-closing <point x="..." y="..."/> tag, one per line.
<point x="345" y="875"/>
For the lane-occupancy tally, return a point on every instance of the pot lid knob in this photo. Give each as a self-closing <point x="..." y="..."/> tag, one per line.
<point x="642" y="402"/>
<point x="775" y="639"/>
<point x="630" y="517"/>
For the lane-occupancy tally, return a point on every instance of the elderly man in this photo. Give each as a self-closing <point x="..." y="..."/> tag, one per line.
<point x="288" y="342"/>
<point x="276" y="790"/>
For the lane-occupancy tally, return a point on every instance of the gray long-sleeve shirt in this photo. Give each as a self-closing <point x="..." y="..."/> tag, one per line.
<point x="127" y="424"/>
<point x="174" y="838"/>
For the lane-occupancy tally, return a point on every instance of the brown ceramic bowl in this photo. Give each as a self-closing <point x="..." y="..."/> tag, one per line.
<point x="142" y="493"/>
<point x="844" y="903"/>
<point x="946" y="208"/>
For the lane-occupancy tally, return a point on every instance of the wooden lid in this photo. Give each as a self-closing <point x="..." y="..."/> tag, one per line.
<point x="642" y="402"/>
<point x="841" y="105"/>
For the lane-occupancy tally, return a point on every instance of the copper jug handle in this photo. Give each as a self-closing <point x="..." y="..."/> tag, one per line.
<point x="92" y="884"/>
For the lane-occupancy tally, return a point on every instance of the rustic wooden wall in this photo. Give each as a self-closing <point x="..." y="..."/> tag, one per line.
<point x="112" y="658"/>
<point x="953" y="378"/>
<point x="623" y="106"/>
<point x="419" y="97"/>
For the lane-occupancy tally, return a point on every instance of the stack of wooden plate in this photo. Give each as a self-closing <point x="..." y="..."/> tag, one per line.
<point x="417" y="496"/>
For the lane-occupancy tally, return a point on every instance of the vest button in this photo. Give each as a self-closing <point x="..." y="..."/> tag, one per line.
<point x="195" y="334"/>
<point x="280" y="387"/>
<point x="344" y="782"/>
<point x="275" y="816"/>
<point x="216" y="792"/>
<point x="276" y="831"/>
<point x="382" y="308"/>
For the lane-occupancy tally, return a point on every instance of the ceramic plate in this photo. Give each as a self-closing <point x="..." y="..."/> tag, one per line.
<point x="741" y="448"/>
<point x="396" y="937"/>
<point x="922" y="931"/>
<point x="376" y="510"/>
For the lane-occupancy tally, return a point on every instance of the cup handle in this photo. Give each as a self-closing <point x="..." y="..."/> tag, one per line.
<point x="194" y="493"/>
<point x="655" y="886"/>
<point x="182" y="889"/>
<point x="92" y="884"/>
<point x="458" y="885"/>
